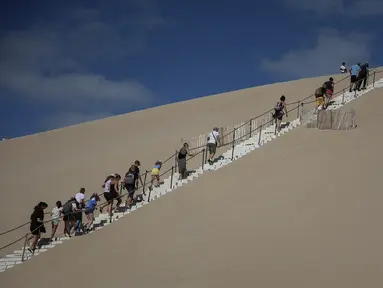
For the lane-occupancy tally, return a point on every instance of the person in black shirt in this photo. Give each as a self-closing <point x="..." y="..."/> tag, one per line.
<point x="137" y="173"/>
<point x="184" y="151"/>
<point x="362" y="76"/>
<point x="36" y="226"/>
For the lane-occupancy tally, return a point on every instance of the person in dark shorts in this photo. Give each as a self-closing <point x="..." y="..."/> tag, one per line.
<point x="212" y="143"/>
<point x="362" y="77"/>
<point x="181" y="158"/>
<point x="130" y="185"/>
<point x="354" y="72"/>
<point x="90" y="206"/>
<point x="137" y="173"/>
<point x="279" y="111"/>
<point x="36" y="225"/>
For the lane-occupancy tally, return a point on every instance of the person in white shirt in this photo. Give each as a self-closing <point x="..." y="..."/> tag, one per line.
<point x="80" y="196"/>
<point x="343" y="68"/>
<point x="212" y="143"/>
<point x="56" y="215"/>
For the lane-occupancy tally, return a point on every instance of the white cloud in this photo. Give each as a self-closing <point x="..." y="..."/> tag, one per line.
<point x="53" y="62"/>
<point x="330" y="49"/>
<point x="345" y="7"/>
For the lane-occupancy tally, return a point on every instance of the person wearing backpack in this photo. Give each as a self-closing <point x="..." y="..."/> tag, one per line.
<point x="130" y="185"/>
<point x="319" y="99"/>
<point x="69" y="210"/>
<point x="329" y="86"/>
<point x="212" y="143"/>
<point x="279" y="110"/>
<point x="184" y="151"/>
<point x="362" y="77"/>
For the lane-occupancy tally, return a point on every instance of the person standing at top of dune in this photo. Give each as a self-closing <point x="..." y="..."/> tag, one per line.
<point x="354" y="72"/>
<point x="212" y="144"/>
<point x="343" y="68"/>
<point x="279" y="111"/>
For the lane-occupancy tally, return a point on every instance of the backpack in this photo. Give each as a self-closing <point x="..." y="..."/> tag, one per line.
<point x="129" y="178"/>
<point x="328" y="85"/>
<point x="363" y="70"/>
<point x="319" y="91"/>
<point x="67" y="207"/>
<point x="278" y="107"/>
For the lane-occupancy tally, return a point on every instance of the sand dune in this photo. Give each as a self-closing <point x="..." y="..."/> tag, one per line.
<point x="302" y="211"/>
<point x="53" y="165"/>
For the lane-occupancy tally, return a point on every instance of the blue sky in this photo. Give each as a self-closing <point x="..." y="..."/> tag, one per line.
<point x="66" y="62"/>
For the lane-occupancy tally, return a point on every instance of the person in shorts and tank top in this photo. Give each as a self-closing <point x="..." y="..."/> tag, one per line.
<point x="56" y="215"/>
<point x="212" y="144"/>
<point x="90" y="206"/>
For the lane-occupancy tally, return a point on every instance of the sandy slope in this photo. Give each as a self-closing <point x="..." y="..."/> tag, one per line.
<point x="303" y="211"/>
<point x="52" y="166"/>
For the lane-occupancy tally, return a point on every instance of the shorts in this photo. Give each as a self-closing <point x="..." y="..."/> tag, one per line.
<point x="319" y="101"/>
<point x="131" y="190"/>
<point x="155" y="172"/>
<point x="35" y="230"/>
<point x="108" y="196"/>
<point x="69" y="217"/>
<point x="279" y="115"/>
<point x="354" y="78"/>
<point x="55" y="222"/>
<point x="212" y="147"/>
<point x="329" y="93"/>
<point x="89" y="211"/>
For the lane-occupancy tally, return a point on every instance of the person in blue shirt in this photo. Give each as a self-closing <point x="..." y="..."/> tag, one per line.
<point x="354" y="72"/>
<point x="90" y="206"/>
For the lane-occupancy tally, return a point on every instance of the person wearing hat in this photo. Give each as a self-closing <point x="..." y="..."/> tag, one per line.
<point x="212" y="143"/>
<point x="156" y="174"/>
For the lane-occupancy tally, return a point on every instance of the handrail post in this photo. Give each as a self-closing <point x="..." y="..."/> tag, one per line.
<point x="260" y="134"/>
<point x="110" y="211"/>
<point x="24" y="247"/>
<point x="233" y="145"/>
<point x="203" y="157"/>
<point x="175" y="161"/>
<point x="206" y="154"/>
<point x="373" y="80"/>
<point x="150" y="190"/>
<point x="298" y="109"/>
<point x="344" y="91"/>
<point x="251" y="121"/>
<point x="171" y="178"/>
<point x="143" y="186"/>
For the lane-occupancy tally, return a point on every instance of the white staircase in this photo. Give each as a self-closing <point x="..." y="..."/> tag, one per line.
<point x="240" y="150"/>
